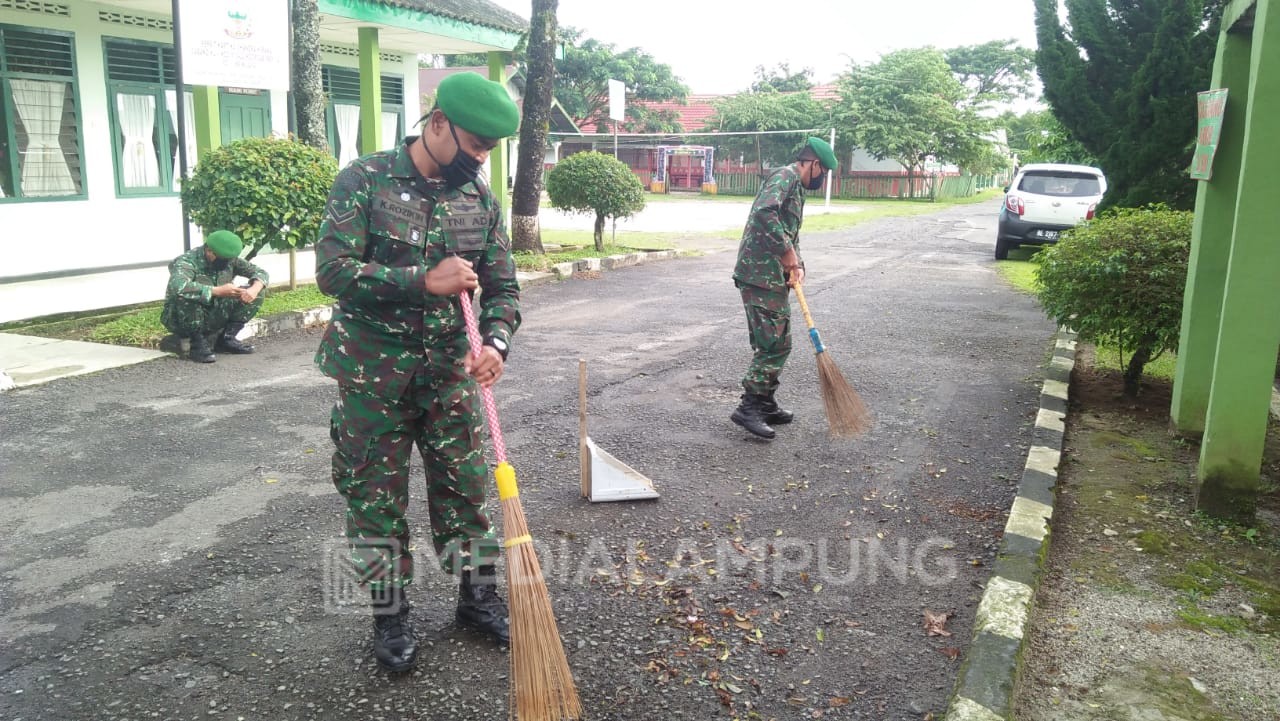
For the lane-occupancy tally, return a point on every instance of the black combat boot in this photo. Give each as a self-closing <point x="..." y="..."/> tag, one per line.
<point x="479" y="605"/>
<point x="750" y="415"/>
<point x="228" y="341"/>
<point x="394" y="644"/>
<point x="200" y="352"/>
<point x="774" y="414"/>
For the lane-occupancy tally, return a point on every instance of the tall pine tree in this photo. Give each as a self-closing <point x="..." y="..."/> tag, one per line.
<point x="1122" y="77"/>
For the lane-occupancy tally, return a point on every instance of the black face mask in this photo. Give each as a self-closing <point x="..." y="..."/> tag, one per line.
<point x="462" y="169"/>
<point x="220" y="264"/>
<point x="816" y="183"/>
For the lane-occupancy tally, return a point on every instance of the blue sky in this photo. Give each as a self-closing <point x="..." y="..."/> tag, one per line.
<point x="715" y="46"/>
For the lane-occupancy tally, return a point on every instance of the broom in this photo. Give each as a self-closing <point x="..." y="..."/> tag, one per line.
<point x="847" y="415"/>
<point x="541" y="684"/>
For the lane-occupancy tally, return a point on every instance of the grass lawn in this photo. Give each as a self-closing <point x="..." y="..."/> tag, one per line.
<point x="140" y="325"/>
<point x="1020" y="271"/>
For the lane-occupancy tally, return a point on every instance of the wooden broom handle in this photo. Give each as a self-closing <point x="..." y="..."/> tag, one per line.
<point x="804" y="307"/>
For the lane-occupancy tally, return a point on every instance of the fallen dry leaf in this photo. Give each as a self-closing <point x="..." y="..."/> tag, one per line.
<point x="935" y="623"/>
<point x="839" y="701"/>
<point x="950" y="652"/>
<point x="726" y="699"/>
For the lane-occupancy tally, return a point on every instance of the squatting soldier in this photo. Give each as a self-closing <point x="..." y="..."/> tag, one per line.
<point x="768" y="265"/>
<point x="201" y="299"/>
<point x="405" y="232"/>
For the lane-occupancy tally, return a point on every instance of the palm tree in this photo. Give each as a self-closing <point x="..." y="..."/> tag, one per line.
<point x="308" y="93"/>
<point x="526" y="195"/>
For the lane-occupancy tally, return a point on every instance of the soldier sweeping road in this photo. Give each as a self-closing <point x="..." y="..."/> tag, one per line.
<point x="405" y="231"/>
<point x="202" y="299"/>
<point x="769" y="264"/>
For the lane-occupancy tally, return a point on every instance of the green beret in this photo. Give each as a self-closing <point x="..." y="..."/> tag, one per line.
<point x="478" y="105"/>
<point x="824" y="153"/>
<point x="224" y="243"/>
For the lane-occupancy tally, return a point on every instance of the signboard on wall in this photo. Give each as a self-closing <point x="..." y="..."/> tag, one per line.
<point x="240" y="43"/>
<point x="1210" y="106"/>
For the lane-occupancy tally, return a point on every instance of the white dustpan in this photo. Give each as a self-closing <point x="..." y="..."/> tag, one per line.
<point x="605" y="478"/>
<point x="612" y="480"/>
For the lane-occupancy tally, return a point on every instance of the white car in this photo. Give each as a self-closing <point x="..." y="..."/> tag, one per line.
<point x="1045" y="199"/>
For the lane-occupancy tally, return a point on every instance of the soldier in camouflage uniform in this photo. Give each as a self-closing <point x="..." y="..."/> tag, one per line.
<point x="201" y="298"/>
<point x="768" y="266"/>
<point x="405" y="232"/>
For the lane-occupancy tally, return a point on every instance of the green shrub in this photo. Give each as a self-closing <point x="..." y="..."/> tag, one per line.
<point x="269" y="191"/>
<point x="593" y="182"/>
<point x="1119" y="279"/>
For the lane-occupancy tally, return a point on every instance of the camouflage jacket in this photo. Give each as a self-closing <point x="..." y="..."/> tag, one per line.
<point x="192" y="277"/>
<point x="772" y="227"/>
<point x="385" y="225"/>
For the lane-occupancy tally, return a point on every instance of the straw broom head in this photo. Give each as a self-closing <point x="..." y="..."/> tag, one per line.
<point x="847" y="415"/>
<point x="542" y="686"/>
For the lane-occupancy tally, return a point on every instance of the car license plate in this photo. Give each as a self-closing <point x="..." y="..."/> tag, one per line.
<point x="1048" y="234"/>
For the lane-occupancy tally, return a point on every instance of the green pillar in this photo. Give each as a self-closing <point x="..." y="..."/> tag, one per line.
<point x="1236" y="418"/>
<point x="207" y="120"/>
<point x="370" y="92"/>
<point x="1211" y="244"/>
<point x="498" y="158"/>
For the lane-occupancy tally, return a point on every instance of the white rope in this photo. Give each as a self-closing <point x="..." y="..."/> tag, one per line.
<point x="672" y="135"/>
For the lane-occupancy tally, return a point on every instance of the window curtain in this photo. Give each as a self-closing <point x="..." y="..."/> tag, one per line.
<point x="139" y="163"/>
<point x="390" y="129"/>
<point x="190" y="122"/>
<point x="348" y="119"/>
<point x="44" y="167"/>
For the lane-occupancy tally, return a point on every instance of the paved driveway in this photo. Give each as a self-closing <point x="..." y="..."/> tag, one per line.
<point x="172" y="544"/>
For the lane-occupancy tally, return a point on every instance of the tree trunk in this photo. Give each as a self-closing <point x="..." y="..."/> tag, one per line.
<point x="526" y="196"/>
<point x="1137" y="362"/>
<point x="599" y="232"/>
<point x="308" y="92"/>
<point x="759" y="159"/>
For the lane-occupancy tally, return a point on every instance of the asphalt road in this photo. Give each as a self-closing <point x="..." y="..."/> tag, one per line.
<point x="172" y="544"/>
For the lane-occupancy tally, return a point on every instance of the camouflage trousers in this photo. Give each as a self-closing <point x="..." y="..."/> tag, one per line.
<point x="185" y="318"/>
<point x="374" y="437"/>
<point x="769" y="327"/>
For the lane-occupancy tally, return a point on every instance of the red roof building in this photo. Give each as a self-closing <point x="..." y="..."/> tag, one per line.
<point x="694" y="114"/>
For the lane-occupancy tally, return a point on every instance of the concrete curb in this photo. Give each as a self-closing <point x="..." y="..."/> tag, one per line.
<point x="290" y="320"/>
<point x="294" y="320"/>
<point x="563" y="271"/>
<point x="989" y="674"/>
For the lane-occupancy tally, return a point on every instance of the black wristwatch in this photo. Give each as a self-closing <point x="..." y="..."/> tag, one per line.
<point x="499" y="345"/>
